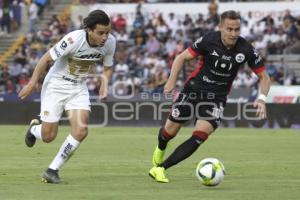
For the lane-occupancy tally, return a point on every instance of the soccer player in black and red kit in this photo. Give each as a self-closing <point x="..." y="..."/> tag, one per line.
<point x="204" y="94"/>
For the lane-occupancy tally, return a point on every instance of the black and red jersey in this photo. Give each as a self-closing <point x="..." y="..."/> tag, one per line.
<point x="220" y="65"/>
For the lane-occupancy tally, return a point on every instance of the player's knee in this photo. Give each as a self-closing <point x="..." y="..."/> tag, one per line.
<point x="48" y="135"/>
<point x="215" y="124"/>
<point x="81" y="133"/>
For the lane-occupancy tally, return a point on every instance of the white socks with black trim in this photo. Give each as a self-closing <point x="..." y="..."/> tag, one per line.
<point x="36" y="130"/>
<point x="64" y="153"/>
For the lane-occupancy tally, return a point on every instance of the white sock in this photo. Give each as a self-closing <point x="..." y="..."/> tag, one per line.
<point x="36" y="130"/>
<point x="64" y="153"/>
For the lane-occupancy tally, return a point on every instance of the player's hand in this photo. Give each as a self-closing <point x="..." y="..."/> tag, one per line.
<point x="169" y="87"/>
<point x="261" y="111"/>
<point x="26" y="91"/>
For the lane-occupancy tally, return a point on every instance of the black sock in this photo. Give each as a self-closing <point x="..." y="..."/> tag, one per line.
<point x="183" y="151"/>
<point x="163" y="138"/>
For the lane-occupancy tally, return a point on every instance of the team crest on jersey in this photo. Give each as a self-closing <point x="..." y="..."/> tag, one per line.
<point x="70" y="39"/>
<point x="175" y="113"/>
<point x="46" y="113"/>
<point x="240" y="57"/>
<point x="214" y="53"/>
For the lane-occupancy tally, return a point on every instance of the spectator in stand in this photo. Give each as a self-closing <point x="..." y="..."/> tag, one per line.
<point x="272" y="71"/>
<point x="10" y="87"/>
<point x="120" y="23"/>
<point x="152" y="44"/>
<point x="121" y="70"/>
<point x="78" y="24"/>
<point x="41" y="4"/>
<point x="33" y="17"/>
<point x="121" y="36"/>
<point x="14" y="71"/>
<point x="139" y="20"/>
<point x="6" y="16"/>
<point x="161" y="28"/>
<point x="288" y="15"/>
<point x="24" y="78"/>
<point x="213" y="17"/>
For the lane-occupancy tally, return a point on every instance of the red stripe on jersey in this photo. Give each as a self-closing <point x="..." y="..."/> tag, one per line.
<point x="196" y="71"/>
<point x="194" y="53"/>
<point x="258" y="70"/>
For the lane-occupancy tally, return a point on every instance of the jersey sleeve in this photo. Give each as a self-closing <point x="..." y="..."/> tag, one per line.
<point x="255" y="61"/>
<point x="198" y="47"/>
<point x="64" y="47"/>
<point x="108" y="58"/>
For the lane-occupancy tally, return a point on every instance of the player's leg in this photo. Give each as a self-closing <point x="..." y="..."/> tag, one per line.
<point x="45" y="131"/>
<point x="52" y="107"/>
<point x="181" y="112"/>
<point x="208" y="118"/>
<point x="165" y="134"/>
<point x="201" y="132"/>
<point x="79" y="122"/>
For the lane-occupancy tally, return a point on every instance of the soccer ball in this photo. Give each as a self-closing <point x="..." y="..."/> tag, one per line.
<point x="210" y="171"/>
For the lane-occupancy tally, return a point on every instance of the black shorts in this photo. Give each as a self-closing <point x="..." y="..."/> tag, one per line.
<point x="199" y="106"/>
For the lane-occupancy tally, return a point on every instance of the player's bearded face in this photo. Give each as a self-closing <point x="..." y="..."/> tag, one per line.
<point x="230" y="31"/>
<point x="99" y="35"/>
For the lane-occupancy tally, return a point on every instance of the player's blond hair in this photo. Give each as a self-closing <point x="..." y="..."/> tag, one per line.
<point x="230" y="14"/>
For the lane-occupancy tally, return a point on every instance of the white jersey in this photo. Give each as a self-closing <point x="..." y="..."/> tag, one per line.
<point x="74" y="57"/>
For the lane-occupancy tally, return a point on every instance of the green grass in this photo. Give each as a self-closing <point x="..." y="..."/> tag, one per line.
<point x="112" y="164"/>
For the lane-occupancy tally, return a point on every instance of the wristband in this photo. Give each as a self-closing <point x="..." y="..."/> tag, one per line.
<point x="262" y="97"/>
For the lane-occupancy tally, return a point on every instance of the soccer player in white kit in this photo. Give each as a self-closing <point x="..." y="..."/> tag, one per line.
<point x="65" y="88"/>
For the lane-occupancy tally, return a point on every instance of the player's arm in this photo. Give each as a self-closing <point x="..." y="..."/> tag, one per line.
<point x="264" y="85"/>
<point x="107" y="63"/>
<point x="194" y="51"/>
<point x="62" y="48"/>
<point x="257" y="65"/>
<point x="176" y="68"/>
<point x="37" y="73"/>
<point x="105" y="79"/>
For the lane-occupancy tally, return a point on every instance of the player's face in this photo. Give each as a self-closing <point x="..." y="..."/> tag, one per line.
<point x="99" y="35"/>
<point x="230" y="31"/>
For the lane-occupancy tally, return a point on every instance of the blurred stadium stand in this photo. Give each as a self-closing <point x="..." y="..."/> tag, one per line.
<point x="147" y="45"/>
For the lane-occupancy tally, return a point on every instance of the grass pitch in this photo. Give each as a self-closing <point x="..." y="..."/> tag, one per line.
<point x="112" y="164"/>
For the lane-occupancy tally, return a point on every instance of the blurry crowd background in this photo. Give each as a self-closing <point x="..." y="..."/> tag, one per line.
<point x="147" y="46"/>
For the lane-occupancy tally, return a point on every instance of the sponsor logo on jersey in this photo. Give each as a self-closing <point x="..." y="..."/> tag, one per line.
<point x="223" y="65"/>
<point x="214" y="53"/>
<point x="219" y="74"/>
<point x="197" y="42"/>
<point x="258" y="60"/>
<point x="63" y="45"/>
<point x="46" y="113"/>
<point x="206" y="79"/>
<point x="56" y="52"/>
<point x="226" y="57"/>
<point x="175" y="113"/>
<point x="70" y="39"/>
<point x="240" y="57"/>
<point x="90" y="56"/>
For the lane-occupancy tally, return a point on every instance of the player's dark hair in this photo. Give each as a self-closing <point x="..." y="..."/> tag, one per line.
<point x="230" y="14"/>
<point x="96" y="17"/>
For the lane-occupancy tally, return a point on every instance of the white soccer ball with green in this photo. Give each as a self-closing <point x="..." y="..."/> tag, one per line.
<point x="210" y="171"/>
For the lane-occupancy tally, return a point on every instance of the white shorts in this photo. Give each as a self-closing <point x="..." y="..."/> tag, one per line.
<point x="58" y="95"/>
